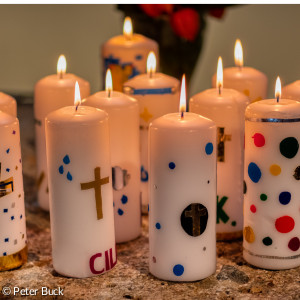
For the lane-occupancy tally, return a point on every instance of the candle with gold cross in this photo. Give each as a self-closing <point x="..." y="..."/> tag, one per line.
<point x="249" y="81"/>
<point x="51" y="93"/>
<point x="13" y="242"/>
<point x="123" y="115"/>
<point x="80" y="186"/>
<point x="226" y="107"/>
<point x="182" y="208"/>
<point x="157" y="95"/>
<point x="8" y="104"/>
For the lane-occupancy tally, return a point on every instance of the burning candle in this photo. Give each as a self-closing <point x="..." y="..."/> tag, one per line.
<point x="80" y="185"/>
<point x="246" y="80"/>
<point x="182" y="212"/>
<point x="226" y="107"/>
<point x="8" y="104"/>
<point x="51" y="93"/>
<point x="272" y="174"/>
<point x="126" y="55"/>
<point x="157" y="95"/>
<point x="123" y="113"/>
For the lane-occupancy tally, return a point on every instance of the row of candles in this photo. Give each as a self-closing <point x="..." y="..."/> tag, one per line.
<point x="94" y="168"/>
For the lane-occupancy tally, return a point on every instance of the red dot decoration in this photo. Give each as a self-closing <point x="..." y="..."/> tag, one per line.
<point x="294" y="244"/>
<point x="285" y="224"/>
<point x="253" y="208"/>
<point x="259" y="140"/>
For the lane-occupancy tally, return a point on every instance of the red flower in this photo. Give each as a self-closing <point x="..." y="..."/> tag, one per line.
<point x="155" y="10"/>
<point x="186" y="23"/>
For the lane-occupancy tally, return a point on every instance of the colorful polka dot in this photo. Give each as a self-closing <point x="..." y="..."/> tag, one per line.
<point x="69" y="176"/>
<point x="297" y="173"/>
<point x="6" y="240"/>
<point x="5" y="210"/>
<point x="275" y="170"/>
<point x="12" y="218"/>
<point x="120" y="212"/>
<point x="254" y="172"/>
<point x="7" y="151"/>
<point x="14" y="132"/>
<point x="267" y="241"/>
<point x="7" y="169"/>
<point x="66" y="159"/>
<point x="61" y="169"/>
<point x="284" y="198"/>
<point x="4" y="253"/>
<point x="209" y="148"/>
<point x="263" y="197"/>
<point x="284" y="224"/>
<point x="157" y="226"/>
<point x="259" y="140"/>
<point x="289" y="147"/>
<point x="178" y="270"/>
<point x="172" y="165"/>
<point x="294" y="244"/>
<point x="249" y="234"/>
<point x="124" y="199"/>
<point x="253" y="208"/>
<point x="233" y="223"/>
<point x="154" y="259"/>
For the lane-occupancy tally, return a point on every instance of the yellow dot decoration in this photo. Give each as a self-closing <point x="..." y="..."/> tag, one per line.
<point x="249" y="234"/>
<point x="146" y="115"/>
<point x="275" y="170"/>
<point x="246" y="92"/>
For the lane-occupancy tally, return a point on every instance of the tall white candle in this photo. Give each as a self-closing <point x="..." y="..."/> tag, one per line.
<point x="272" y="174"/>
<point x="226" y="107"/>
<point x="8" y="104"/>
<point x="157" y="95"/>
<point x="182" y="212"/>
<point x="51" y="93"/>
<point x="13" y="249"/>
<point x="123" y="113"/>
<point x="80" y="185"/>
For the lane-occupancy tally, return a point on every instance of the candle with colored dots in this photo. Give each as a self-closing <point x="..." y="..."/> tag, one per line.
<point x="182" y="208"/>
<point x="272" y="174"/>
<point x="8" y="104"/>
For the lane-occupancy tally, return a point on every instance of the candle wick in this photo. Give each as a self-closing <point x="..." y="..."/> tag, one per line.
<point x="60" y="75"/>
<point x="77" y="106"/>
<point x="277" y="99"/>
<point x="109" y="93"/>
<point x="219" y="89"/>
<point x="182" y="115"/>
<point x="240" y="68"/>
<point x="150" y="73"/>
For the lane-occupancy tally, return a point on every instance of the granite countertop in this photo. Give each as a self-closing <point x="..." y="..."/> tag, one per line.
<point x="130" y="279"/>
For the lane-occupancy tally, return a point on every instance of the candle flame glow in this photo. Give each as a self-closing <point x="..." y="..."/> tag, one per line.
<point x="127" y="28"/>
<point x="278" y="88"/>
<point x="151" y="63"/>
<point x="182" y="104"/>
<point x="220" y="74"/>
<point x="108" y="83"/>
<point x="238" y="54"/>
<point x="77" y="97"/>
<point x="61" y="66"/>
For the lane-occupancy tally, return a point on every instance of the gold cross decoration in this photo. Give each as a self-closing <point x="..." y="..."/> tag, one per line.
<point x="196" y="213"/>
<point x="96" y="184"/>
<point x="222" y="138"/>
<point x="145" y="115"/>
<point x="6" y="186"/>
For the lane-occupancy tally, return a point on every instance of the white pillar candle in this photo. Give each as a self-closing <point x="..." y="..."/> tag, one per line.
<point x="249" y="81"/>
<point x="8" y="104"/>
<point x="157" y="95"/>
<point x="123" y="113"/>
<point x="126" y="55"/>
<point x="226" y="107"/>
<point x="292" y="91"/>
<point x="182" y="211"/>
<point x="51" y="93"/>
<point x="272" y="174"/>
<point x="13" y="249"/>
<point x="80" y="185"/>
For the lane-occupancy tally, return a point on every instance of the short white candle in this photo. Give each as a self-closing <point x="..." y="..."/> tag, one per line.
<point x="8" y="104"/>
<point x="13" y="249"/>
<point x="51" y="93"/>
<point x="80" y="185"/>
<point x="226" y="107"/>
<point x="249" y="81"/>
<point x="126" y="55"/>
<point x="272" y="174"/>
<point x="182" y="211"/>
<point x="292" y="91"/>
<point x="123" y="115"/>
<point x="157" y="95"/>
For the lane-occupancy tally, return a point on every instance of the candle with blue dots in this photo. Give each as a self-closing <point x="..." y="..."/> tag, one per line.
<point x="13" y="248"/>
<point x="272" y="174"/>
<point x="157" y="95"/>
<point x="226" y="107"/>
<point x="182" y="210"/>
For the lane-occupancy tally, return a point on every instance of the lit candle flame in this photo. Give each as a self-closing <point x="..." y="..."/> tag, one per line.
<point x="220" y="75"/>
<point x="108" y="83"/>
<point x="238" y="54"/>
<point x="278" y="89"/>
<point x="127" y="28"/>
<point x="151" y="63"/>
<point x="182" y="104"/>
<point x="61" y="66"/>
<point x="77" y="98"/>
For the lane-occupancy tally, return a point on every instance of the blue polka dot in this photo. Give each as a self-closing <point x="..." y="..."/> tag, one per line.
<point x="254" y="172"/>
<point x="5" y="210"/>
<point x="7" y="170"/>
<point x="61" y="169"/>
<point x="4" y="253"/>
<point x="172" y="165"/>
<point x="178" y="270"/>
<point x="69" y="176"/>
<point x="148" y="207"/>
<point x="12" y="218"/>
<point x="21" y="216"/>
<point x="7" y="151"/>
<point x="120" y="212"/>
<point x="157" y="225"/>
<point x="285" y="198"/>
<point x="138" y="57"/>
<point x="66" y="159"/>
<point x="209" y="148"/>
<point x="124" y="199"/>
<point x="6" y="240"/>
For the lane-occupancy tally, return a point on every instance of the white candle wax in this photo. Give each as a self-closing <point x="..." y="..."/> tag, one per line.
<point x="13" y="249"/>
<point x="80" y="185"/>
<point x="182" y="211"/>
<point x="8" y="104"/>
<point x="51" y="93"/>
<point x="292" y="91"/>
<point x="157" y="95"/>
<point x="227" y="111"/>
<point x="123" y="113"/>
<point x="272" y="174"/>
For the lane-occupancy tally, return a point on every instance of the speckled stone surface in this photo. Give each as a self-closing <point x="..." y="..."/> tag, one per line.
<point x="130" y="279"/>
